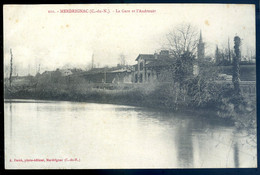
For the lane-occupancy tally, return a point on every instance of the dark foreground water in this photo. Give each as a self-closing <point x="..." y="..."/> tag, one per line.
<point x="51" y="134"/>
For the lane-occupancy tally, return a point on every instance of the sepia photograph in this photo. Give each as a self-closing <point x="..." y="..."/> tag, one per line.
<point x="129" y="86"/>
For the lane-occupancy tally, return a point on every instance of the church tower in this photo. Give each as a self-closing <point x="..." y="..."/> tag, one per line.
<point x="201" y="49"/>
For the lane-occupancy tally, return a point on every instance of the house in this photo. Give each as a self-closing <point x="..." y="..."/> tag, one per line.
<point x="150" y="67"/>
<point x="154" y="67"/>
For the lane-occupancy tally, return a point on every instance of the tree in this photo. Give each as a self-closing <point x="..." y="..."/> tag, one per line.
<point x="182" y="73"/>
<point x="229" y="52"/>
<point x="237" y="57"/>
<point x="223" y="55"/>
<point x="183" y="38"/>
<point x="182" y="42"/>
<point x="217" y="55"/>
<point x="122" y="61"/>
<point x="183" y="68"/>
<point x="11" y="68"/>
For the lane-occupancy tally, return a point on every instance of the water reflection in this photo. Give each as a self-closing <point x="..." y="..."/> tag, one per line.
<point x="184" y="145"/>
<point x="115" y="136"/>
<point x="236" y="155"/>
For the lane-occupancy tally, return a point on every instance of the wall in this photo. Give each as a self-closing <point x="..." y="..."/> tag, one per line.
<point x="247" y="72"/>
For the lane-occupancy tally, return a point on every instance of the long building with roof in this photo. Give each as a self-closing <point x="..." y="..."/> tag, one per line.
<point x="149" y="66"/>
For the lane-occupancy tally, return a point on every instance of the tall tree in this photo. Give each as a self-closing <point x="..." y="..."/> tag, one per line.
<point x="183" y="38"/>
<point x="237" y="57"/>
<point x="229" y="52"/>
<point x="11" y="68"/>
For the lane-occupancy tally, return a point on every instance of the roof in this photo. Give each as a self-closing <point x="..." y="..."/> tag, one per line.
<point x="107" y="70"/>
<point x="121" y="70"/>
<point x="145" y="57"/>
<point x="161" y="62"/>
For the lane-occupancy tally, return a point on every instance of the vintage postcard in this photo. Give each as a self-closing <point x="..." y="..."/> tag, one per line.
<point x="112" y="86"/>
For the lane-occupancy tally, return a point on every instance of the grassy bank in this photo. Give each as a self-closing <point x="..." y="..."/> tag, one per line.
<point x="199" y="96"/>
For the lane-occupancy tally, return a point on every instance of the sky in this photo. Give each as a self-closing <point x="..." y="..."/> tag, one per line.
<point x="42" y="35"/>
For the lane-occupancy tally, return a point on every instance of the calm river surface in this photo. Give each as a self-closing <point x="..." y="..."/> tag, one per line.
<point x="116" y="136"/>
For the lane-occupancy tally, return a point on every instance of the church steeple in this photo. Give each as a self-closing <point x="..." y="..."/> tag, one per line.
<point x="201" y="48"/>
<point x="200" y="40"/>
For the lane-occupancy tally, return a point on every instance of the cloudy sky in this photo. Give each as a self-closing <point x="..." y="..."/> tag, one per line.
<point x="70" y="39"/>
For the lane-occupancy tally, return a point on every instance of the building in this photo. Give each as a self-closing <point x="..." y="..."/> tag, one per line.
<point x="201" y="49"/>
<point x="150" y="67"/>
<point x="154" y="67"/>
<point x="113" y="75"/>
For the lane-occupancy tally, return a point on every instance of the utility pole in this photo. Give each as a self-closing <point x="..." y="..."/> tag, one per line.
<point x="11" y="68"/>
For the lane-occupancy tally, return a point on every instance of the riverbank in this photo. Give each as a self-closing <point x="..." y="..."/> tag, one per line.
<point x="196" y="95"/>
<point x="153" y="97"/>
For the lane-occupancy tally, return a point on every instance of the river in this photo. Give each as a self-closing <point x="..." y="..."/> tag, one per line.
<point x="71" y="135"/>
